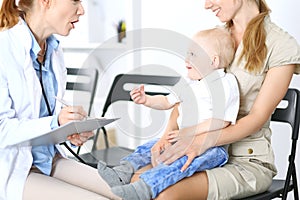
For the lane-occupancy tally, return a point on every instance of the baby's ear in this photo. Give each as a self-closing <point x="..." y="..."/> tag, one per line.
<point x="216" y="62"/>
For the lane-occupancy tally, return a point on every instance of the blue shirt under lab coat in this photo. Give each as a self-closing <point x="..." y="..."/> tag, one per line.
<point x="43" y="155"/>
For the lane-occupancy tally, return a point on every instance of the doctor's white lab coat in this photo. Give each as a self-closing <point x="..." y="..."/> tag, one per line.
<point x="20" y="99"/>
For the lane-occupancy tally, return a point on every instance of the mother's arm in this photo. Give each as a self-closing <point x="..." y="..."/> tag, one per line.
<point x="272" y="91"/>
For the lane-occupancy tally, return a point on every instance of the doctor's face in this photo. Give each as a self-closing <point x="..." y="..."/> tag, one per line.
<point x="63" y="15"/>
<point x="225" y="10"/>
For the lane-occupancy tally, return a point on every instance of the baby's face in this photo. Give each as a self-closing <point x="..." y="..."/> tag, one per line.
<point x="192" y="71"/>
<point x="197" y="63"/>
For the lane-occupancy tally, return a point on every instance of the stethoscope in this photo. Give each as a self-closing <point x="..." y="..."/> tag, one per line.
<point x="50" y="112"/>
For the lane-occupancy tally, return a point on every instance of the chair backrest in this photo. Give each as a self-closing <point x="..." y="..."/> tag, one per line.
<point x="85" y="80"/>
<point x="291" y="115"/>
<point x="82" y="80"/>
<point x="118" y="92"/>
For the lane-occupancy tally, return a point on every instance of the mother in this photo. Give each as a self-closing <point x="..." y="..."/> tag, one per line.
<point x="264" y="55"/>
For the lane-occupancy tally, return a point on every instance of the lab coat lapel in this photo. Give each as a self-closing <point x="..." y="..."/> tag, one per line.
<point x="33" y="86"/>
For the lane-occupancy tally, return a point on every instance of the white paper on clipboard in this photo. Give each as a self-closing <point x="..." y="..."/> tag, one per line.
<point x="60" y="134"/>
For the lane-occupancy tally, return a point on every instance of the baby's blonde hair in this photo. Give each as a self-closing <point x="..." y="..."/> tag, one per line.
<point x="217" y="42"/>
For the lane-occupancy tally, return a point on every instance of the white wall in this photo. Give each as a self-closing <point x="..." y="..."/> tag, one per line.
<point x="98" y="24"/>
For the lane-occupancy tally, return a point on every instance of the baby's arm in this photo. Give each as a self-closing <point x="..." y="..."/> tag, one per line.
<point x="211" y="124"/>
<point x="163" y="143"/>
<point x="159" y="102"/>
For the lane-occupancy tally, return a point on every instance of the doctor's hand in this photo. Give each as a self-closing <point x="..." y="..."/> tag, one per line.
<point x="71" y="113"/>
<point x="78" y="139"/>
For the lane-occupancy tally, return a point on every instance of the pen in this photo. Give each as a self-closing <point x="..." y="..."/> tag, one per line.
<point x="66" y="104"/>
<point x="62" y="101"/>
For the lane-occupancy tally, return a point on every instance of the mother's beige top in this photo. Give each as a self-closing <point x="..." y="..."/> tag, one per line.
<point x="282" y="50"/>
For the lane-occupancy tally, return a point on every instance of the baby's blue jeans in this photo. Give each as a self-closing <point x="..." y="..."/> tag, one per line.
<point x="163" y="176"/>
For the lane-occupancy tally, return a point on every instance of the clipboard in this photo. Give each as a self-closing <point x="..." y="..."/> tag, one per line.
<point x="60" y="134"/>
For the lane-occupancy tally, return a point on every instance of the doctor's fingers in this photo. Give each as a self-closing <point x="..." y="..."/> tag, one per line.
<point x="66" y="116"/>
<point x="73" y="112"/>
<point x="75" y="139"/>
<point x="86" y="135"/>
<point x="80" y="139"/>
<point x="75" y="109"/>
<point x="74" y="116"/>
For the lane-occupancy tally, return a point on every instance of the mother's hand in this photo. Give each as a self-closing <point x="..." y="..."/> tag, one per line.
<point x="190" y="146"/>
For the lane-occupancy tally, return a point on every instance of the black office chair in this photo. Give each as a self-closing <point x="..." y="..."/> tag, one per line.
<point x="87" y="84"/>
<point x="82" y="81"/>
<point x="112" y="155"/>
<point x="290" y="115"/>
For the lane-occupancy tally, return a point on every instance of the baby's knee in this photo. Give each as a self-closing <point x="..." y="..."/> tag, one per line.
<point x="136" y="175"/>
<point x="135" y="178"/>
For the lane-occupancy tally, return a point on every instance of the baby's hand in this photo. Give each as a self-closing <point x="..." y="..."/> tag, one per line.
<point x="138" y="95"/>
<point x="157" y="149"/>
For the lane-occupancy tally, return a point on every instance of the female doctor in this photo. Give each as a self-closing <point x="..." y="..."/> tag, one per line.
<point x="32" y="72"/>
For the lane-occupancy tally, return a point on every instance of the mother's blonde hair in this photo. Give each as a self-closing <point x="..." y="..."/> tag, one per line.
<point x="255" y="49"/>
